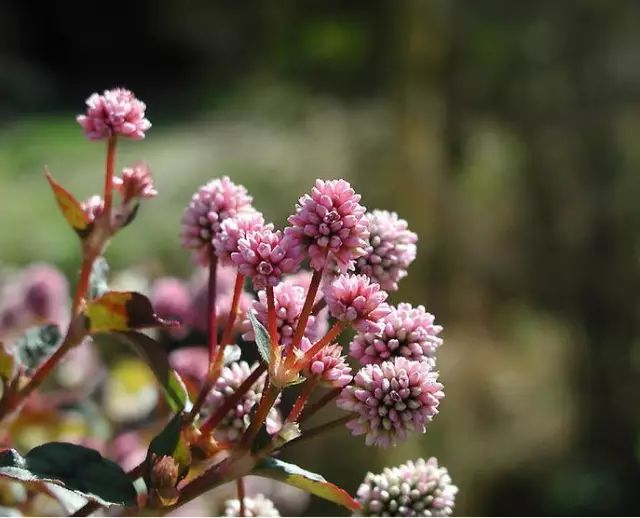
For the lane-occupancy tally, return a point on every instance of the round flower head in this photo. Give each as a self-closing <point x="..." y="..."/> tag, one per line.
<point x="135" y="182"/>
<point x="406" y="331"/>
<point x="213" y="203"/>
<point x="355" y="299"/>
<point x="170" y="299"/>
<point x="328" y="365"/>
<point x="391" y="249"/>
<point x="45" y="293"/>
<point x="289" y="300"/>
<point x="225" y="242"/>
<point x="264" y="256"/>
<point x="330" y="220"/>
<point x="236" y="421"/>
<point x="417" y="488"/>
<point x="391" y="399"/>
<point x="116" y="112"/>
<point x="256" y="505"/>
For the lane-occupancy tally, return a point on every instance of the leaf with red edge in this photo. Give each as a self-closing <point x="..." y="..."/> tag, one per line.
<point x="122" y="311"/>
<point x="70" y="208"/>
<point x="301" y="478"/>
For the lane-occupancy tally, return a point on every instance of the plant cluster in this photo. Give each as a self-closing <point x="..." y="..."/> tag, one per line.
<point x="293" y="292"/>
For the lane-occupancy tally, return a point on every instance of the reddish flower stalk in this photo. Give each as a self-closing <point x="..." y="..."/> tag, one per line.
<point x="213" y="421"/>
<point x="228" y="328"/>
<point x="331" y="335"/>
<point x="321" y="403"/>
<point x="271" y="322"/>
<point x="83" y="284"/>
<point x="304" y="315"/>
<point x="108" y="181"/>
<point x="302" y="399"/>
<point x="269" y="396"/>
<point x="213" y="317"/>
<point x="241" y="493"/>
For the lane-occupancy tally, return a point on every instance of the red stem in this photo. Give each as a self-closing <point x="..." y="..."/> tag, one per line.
<point x="213" y="421"/>
<point x="318" y="306"/>
<point x="321" y="403"/>
<point x="241" y="493"/>
<point x="108" y="180"/>
<point x="272" y="325"/>
<point x="213" y="318"/>
<point x="304" y="315"/>
<point x="83" y="284"/>
<point x="269" y="396"/>
<point x="302" y="399"/>
<point x="331" y="335"/>
<point x="228" y="329"/>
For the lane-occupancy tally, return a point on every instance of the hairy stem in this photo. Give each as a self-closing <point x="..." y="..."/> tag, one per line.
<point x="108" y="179"/>
<point x="269" y="396"/>
<point x="272" y="324"/>
<point x="331" y="335"/>
<point x="304" y="315"/>
<point x="302" y="399"/>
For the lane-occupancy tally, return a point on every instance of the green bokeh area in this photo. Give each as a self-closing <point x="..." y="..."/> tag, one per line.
<point x="506" y="135"/>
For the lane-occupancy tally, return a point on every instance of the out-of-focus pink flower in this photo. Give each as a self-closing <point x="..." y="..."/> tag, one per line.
<point x="289" y="300"/>
<point x="128" y="450"/>
<point x="406" y="331"/>
<point x="330" y="221"/>
<point x="135" y="182"/>
<point x="328" y="365"/>
<point x="171" y="299"/>
<point x="214" y="202"/>
<point x="391" y="399"/>
<point x="391" y="249"/>
<point x="225" y="242"/>
<point x="46" y="293"/>
<point x="190" y="362"/>
<point x="237" y="420"/>
<point x="417" y="488"/>
<point x="116" y="112"/>
<point x="358" y="301"/>
<point x="264" y="256"/>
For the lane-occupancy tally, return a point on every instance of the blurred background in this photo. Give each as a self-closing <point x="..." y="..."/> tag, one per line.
<point x="505" y="133"/>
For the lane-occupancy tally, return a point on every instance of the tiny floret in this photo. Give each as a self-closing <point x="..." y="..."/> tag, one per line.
<point x="232" y="230"/>
<point x="116" y="112"/>
<point x="264" y="256"/>
<point x="417" y="488"/>
<point x="330" y="223"/>
<point x="328" y="365"/>
<point x="390" y="250"/>
<point x="391" y="399"/>
<point x="257" y="505"/>
<point x="358" y="301"/>
<point x="135" y="182"/>
<point x="406" y="331"/>
<point x="213" y="203"/>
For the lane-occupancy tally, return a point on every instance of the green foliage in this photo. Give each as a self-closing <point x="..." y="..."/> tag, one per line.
<point x="76" y="468"/>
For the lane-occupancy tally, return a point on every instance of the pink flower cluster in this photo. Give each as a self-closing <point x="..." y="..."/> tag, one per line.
<point x="330" y="222"/>
<point x="135" y="182"/>
<point x="116" y="112"/>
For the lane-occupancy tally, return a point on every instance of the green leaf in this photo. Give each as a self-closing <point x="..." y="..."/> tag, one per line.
<point x="262" y="337"/>
<point x="36" y="344"/>
<point x="122" y="311"/>
<point x="306" y="480"/>
<point x="98" y="280"/>
<point x="71" y="208"/>
<point x="171" y="443"/>
<point x="155" y="356"/>
<point x="76" y="468"/>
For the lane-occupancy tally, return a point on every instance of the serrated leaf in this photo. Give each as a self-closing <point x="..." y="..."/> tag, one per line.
<point x="98" y="280"/>
<point x="76" y="468"/>
<point x="170" y="442"/>
<point x="70" y="208"/>
<point x="36" y="344"/>
<point x="301" y="478"/>
<point x="262" y="337"/>
<point x="155" y="356"/>
<point x="7" y="364"/>
<point x="122" y="311"/>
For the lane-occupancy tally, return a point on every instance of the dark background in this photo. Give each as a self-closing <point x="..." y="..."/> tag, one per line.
<point x="505" y="132"/>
